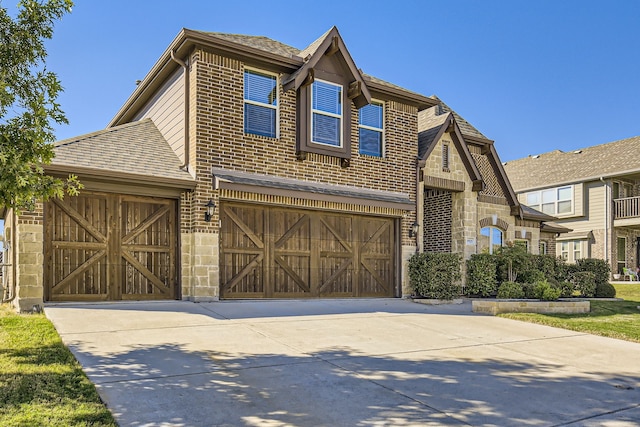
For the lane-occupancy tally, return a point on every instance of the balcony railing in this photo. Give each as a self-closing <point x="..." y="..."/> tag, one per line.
<point x="629" y="207"/>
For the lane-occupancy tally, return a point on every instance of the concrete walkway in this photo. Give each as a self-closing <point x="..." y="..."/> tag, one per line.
<point x="382" y="362"/>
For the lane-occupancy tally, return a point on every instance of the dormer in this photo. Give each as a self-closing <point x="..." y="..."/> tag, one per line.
<point x="326" y="85"/>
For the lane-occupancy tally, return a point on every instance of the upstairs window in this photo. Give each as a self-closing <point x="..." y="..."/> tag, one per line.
<point x="553" y="201"/>
<point x="371" y="129"/>
<point x="260" y="104"/>
<point x="326" y="113"/>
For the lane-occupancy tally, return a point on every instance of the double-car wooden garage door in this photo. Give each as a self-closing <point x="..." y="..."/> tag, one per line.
<point x="101" y="246"/>
<point x="274" y="252"/>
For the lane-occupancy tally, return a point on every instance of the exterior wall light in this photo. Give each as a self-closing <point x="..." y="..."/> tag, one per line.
<point x="413" y="231"/>
<point x="208" y="213"/>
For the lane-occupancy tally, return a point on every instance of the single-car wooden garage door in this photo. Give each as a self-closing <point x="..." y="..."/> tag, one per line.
<point x="274" y="252"/>
<point x="101" y="246"/>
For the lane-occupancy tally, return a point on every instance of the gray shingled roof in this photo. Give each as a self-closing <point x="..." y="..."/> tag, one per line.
<point x="559" y="167"/>
<point x="465" y="127"/>
<point x="272" y="181"/>
<point x="258" y="42"/>
<point x="273" y="46"/>
<point x="135" y="149"/>
<point x="429" y="125"/>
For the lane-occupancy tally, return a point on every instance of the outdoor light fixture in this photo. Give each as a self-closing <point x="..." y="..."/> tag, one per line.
<point x="208" y="213"/>
<point x="413" y="231"/>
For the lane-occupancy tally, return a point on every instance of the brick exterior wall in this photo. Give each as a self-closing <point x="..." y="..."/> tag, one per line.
<point x="437" y="221"/>
<point x="217" y="140"/>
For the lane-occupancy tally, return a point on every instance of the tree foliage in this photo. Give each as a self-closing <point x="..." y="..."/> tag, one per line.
<point x="28" y="107"/>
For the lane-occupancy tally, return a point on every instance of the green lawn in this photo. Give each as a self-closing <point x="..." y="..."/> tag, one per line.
<point x="615" y="319"/>
<point x="41" y="383"/>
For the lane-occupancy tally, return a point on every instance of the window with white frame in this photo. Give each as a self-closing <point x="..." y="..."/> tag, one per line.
<point x="571" y="250"/>
<point x="490" y="240"/>
<point x="552" y="201"/>
<point x="543" y="247"/>
<point x="326" y="113"/>
<point x="371" y="129"/>
<point x="260" y="103"/>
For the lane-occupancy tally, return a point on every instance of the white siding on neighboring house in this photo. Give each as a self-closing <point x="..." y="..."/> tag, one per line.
<point x="166" y="109"/>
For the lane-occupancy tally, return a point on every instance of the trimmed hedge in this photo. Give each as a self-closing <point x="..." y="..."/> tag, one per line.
<point x="435" y="275"/>
<point x="481" y="275"/>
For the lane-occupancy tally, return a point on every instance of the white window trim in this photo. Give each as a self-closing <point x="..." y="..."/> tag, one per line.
<point x="260" y="104"/>
<point x="381" y="130"/>
<point x="491" y="228"/>
<point x="572" y="246"/>
<point x="325" y="113"/>
<point x="538" y="207"/>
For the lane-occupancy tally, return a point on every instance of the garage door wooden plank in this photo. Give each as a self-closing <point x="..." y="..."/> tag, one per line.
<point x="337" y="235"/>
<point x="144" y="224"/>
<point x="336" y="273"/>
<point x="296" y="278"/>
<point x="64" y="283"/>
<point x="242" y="273"/>
<point x="375" y="275"/>
<point x="75" y="215"/>
<point x="294" y="229"/>
<point x="247" y="231"/>
<point x="161" y="286"/>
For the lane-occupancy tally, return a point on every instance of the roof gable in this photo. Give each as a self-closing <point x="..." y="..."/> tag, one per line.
<point x="330" y="44"/>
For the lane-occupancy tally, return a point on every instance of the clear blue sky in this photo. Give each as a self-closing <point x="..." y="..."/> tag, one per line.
<point x="532" y="75"/>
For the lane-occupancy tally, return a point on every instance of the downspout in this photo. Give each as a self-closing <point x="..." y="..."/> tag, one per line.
<point x="12" y="265"/>
<point x="419" y="205"/>
<point x="606" y="219"/>
<point x="184" y="66"/>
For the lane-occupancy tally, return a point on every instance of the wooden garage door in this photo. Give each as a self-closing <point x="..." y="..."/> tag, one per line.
<point x="272" y="252"/>
<point x="102" y="246"/>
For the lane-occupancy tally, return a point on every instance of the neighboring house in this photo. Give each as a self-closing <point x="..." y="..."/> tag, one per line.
<point x="241" y="167"/>
<point x="468" y="205"/>
<point x="595" y="191"/>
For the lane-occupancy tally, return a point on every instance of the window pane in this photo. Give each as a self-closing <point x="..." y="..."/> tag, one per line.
<point x="548" y="196"/>
<point x="533" y="199"/>
<point x="260" y="88"/>
<point x="564" y="193"/>
<point x="260" y="120"/>
<point x="370" y="142"/>
<point x="371" y="115"/>
<point x="483" y="240"/>
<point x="496" y="240"/>
<point x="326" y="130"/>
<point x="327" y="97"/>
<point x="564" y="207"/>
<point x="549" y="208"/>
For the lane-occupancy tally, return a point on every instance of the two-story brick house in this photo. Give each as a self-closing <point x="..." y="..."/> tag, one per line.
<point x="241" y="167"/>
<point x="466" y="202"/>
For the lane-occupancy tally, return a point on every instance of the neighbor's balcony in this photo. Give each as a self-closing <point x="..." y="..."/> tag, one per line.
<point x="626" y="211"/>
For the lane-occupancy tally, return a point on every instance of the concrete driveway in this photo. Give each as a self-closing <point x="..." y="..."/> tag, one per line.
<point x="374" y="362"/>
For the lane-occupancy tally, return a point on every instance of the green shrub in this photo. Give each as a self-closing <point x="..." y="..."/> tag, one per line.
<point x="529" y="290"/>
<point x="566" y="289"/>
<point x="435" y="275"/>
<point x="508" y="290"/>
<point x="512" y="260"/>
<point x="599" y="267"/>
<point x="585" y="283"/>
<point x="605" y="290"/>
<point x="551" y="294"/>
<point x="481" y="275"/>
